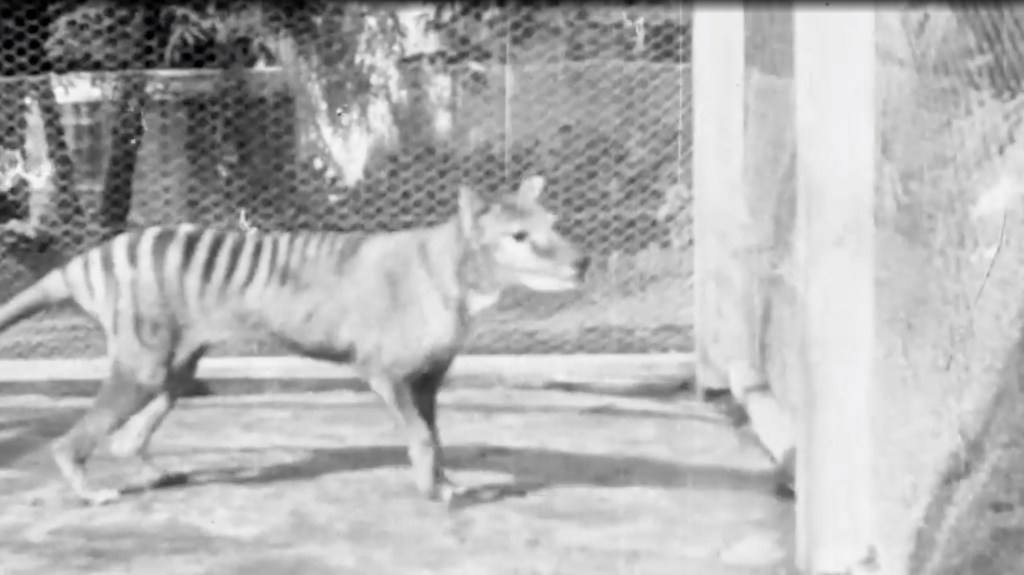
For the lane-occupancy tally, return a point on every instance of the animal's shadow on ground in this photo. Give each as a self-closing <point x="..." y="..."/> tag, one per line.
<point x="34" y="432"/>
<point x="532" y="470"/>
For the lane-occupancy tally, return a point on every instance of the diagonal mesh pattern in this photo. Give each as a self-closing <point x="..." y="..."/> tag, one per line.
<point x="355" y="117"/>
<point x="948" y="268"/>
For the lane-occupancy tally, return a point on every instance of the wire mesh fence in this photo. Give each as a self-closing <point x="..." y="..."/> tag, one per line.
<point x="949" y="264"/>
<point x="950" y="212"/>
<point x="354" y="117"/>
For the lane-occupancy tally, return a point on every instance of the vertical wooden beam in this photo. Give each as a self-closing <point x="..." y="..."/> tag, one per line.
<point x="718" y="92"/>
<point x="769" y="183"/>
<point x="510" y="76"/>
<point x="835" y="258"/>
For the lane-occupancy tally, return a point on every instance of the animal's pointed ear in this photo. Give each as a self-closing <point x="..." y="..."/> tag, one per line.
<point x="471" y="207"/>
<point x="530" y="189"/>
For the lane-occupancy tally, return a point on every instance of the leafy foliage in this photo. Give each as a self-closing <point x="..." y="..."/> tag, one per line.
<point x="220" y="37"/>
<point x="363" y="41"/>
<point x="350" y="49"/>
<point x="104" y="35"/>
<point x="483" y="33"/>
<point x="93" y="36"/>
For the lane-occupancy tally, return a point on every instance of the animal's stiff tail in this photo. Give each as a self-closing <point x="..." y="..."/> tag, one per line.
<point x="49" y="290"/>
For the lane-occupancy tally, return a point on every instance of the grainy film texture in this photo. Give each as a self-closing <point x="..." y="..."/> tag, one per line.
<point x="344" y="116"/>
<point x="949" y="86"/>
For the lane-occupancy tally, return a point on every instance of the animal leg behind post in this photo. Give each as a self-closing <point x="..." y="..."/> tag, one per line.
<point x="768" y="421"/>
<point x="119" y="398"/>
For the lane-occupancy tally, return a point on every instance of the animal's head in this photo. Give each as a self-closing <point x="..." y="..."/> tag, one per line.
<point x="515" y="240"/>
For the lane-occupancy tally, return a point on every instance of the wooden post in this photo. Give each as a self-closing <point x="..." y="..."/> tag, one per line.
<point x="509" y="73"/>
<point x="834" y="257"/>
<point x="718" y="97"/>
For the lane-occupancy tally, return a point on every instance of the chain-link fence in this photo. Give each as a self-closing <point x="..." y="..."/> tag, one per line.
<point x="355" y="117"/>
<point x="950" y="87"/>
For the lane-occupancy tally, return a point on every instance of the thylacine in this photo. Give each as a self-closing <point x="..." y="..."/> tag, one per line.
<point x="395" y="305"/>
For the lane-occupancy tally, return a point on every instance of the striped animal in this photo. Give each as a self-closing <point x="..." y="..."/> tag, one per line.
<point x="395" y="305"/>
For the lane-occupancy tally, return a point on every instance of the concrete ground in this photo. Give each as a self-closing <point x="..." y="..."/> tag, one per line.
<point x="317" y="483"/>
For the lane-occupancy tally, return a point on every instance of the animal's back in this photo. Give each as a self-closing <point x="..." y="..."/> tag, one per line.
<point x="308" y="290"/>
<point x="206" y="279"/>
<point x="226" y="284"/>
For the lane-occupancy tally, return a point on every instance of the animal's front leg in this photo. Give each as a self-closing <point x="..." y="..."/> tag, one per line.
<point x="413" y="404"/>
<point x="424" y="396"/>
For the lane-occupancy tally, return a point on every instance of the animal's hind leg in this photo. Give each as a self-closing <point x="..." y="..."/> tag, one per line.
<point x="132" y="440"/>
<point x="120" y="397"/>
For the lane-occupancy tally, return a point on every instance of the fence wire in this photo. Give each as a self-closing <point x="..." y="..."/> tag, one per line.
<point x="949" y="262"/>
<point x="354" y="117"/>
<point x="951" y="132"/>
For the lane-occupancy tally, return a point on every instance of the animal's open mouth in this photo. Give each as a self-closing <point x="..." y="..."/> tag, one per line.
<point x="551" y="281"/>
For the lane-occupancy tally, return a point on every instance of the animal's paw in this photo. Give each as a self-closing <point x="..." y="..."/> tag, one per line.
<point x="123" y="445"/>
<point x="169" y="479"/>
<point x="785" y="475"/>
<point x="449" y="492"/>
<point x="154" y="478"/>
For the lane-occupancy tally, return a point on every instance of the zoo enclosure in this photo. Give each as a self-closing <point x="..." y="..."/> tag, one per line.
<point x="946" y="257"/>
<point x="268" y="138"/>
<point x="333" y="120"/>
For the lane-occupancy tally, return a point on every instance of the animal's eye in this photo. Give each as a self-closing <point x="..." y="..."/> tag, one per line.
<point x="520" y="236"/>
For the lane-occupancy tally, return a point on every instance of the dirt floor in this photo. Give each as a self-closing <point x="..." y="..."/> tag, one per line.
<point x="317" y="483"/>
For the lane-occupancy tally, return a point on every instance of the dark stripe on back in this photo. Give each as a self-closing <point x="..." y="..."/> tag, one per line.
<point x="131" y="256"/>
<point x="189" y="241"/>
<point x="135" y="321"/>
<point x="279" y="260"/>
<point x="86" y="286"/>
<point x="107" y="265"/>
<point x="254" y="261"/>
<point x="300" y="243"/>
<point x="345" y="247"/>
<point x="110" y="281"/>
<point x="133" y="249"/>
<point x="320" y="244"/>
<point x="212" y="256"/>
<point x="233" y="253"/>
<point x="293" y="256"/>
<point x="161" y="243"/>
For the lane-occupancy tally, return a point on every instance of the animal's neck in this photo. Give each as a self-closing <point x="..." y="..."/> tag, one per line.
<point x="467" y="271"/>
